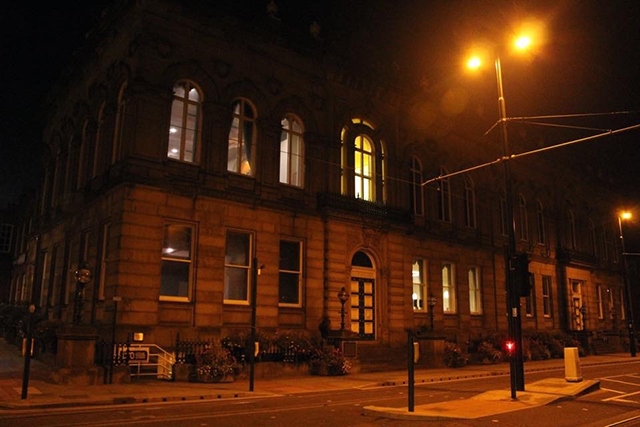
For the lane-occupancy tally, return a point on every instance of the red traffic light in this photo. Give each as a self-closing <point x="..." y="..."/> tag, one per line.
<point x="510" y="346"/>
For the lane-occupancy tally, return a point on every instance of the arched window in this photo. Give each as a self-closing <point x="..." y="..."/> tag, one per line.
<point x="444" y="199"/>
<point x="524" y="218"/>
<point x="362" y="162"/>
<point x="97" y="146"/>
<point x="117" y="134"/>
<point x="185" y="126"/>
<point x="242" y="139"/>
<point x="469" y="203"/>
<point x="292" y="151"/>
<point x="593" y="241"/>
<point x="417" y="199"/>
<point x="82" y="157"/>
<point x="542" y="232"/>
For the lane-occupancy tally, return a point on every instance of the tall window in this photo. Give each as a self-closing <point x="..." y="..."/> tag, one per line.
<point x="542" y="232"/>
<point x="593" y="241"/>
<point x="604" y="242"/>
<point x="444" y="199"/>
<point x="504" y="223"/>
<point x="469" y="203"/>
<point x="524" y="218"/>
<point x="177" y="258"/>
<point x="475" y="292"/>
<point x="185" y="126"/>
<point x="362" y="162"/>
<point x="117" y="134"/>
<point x="292" y="152"/>
<point x="242" y="139"/>
<point x="290" y="275"/>
<point x="571" y="230"/>
<point x="600" y="305"/>
<point x="417" y="193"/>
<point x="623" y="311"/>
<point x="6" y="235"/>
<point x="530" y="300"/>
<point x="546" y="296"/>
<point x="363" y="170"/>
<point x="102" y="258"/>
<point x="418" y="278"/>
<point x="82" y="156"/>
<point x="98" y="143"/>
<point x="237" y="266"/>
<point x="610" y="305"/>
<point x="448" y="288"/>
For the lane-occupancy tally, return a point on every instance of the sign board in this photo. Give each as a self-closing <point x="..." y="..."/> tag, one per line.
<point x="138" y="354"/>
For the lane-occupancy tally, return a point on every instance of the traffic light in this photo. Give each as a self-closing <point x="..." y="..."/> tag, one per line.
<point x="522" y="274"/>
<point x="510" y="347"/>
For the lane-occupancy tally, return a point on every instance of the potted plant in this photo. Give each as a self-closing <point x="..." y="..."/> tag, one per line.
<point x="329" y="361"/>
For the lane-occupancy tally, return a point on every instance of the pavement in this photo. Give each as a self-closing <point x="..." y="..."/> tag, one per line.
<point x="42" y="393"/>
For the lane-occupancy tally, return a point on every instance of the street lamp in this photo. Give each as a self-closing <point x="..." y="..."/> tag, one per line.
<point x="516" y="363"/>
<point x="343" y="295"/>
<point x="432" y="303"/>
<point x="82" y="276"/>
<point x="632" y="339"/>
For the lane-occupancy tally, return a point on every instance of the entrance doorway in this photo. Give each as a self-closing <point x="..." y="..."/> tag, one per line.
<point x="362" y="290"/>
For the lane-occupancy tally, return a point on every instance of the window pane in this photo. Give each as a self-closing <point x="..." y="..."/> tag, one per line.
<point x="289" y="256"/>
<point x="289" y="288"/>
<point x="177" y="241"/>
<point x="174" y="279"/>
<point x="238" y="246"/>
<point x="236" y="283"/>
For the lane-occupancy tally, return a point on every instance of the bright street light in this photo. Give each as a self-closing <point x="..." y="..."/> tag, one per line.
<point x="516" y="364"/>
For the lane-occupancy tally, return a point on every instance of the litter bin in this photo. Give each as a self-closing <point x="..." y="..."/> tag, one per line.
<point x="572" y="371"/>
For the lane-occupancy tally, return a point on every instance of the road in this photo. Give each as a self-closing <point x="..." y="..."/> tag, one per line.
<point x="617" y="400"/>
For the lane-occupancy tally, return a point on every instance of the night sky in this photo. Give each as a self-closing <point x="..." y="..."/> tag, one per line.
<point x="590" y="64"/>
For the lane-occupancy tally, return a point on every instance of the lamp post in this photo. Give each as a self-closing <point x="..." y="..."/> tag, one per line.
<point x="82" y="276"/>
<point x="342" y="296"/>
<point x="432" y="303"/>
<point x="630" y="327"/>
<point x="516" y="363"/>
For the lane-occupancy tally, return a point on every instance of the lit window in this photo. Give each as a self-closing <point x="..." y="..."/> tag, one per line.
<point x="419" y="294"/>
<point x="290" y="274"/>
<point x="600" y="306"/>
<point x="175" y="274"/>
<point x="448" y="289"/>
<point x="237" y="266"/>
<point x="184" y="128"/>
<point x="362" y="162"/>
<point x="475" y="291"/>
<point x="242" y="139"/>
<point x="292" y="152"/>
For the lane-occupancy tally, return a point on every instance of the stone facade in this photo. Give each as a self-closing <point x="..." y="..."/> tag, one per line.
<point x="111" y="189"/>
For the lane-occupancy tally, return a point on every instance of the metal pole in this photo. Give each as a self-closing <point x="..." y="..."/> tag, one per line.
<point x="27" y="353"/>
<point x="630" y="325"/>
<point x="252" y="345"/>
<point x="410" y="369"/>
<point x="513" y="299"/>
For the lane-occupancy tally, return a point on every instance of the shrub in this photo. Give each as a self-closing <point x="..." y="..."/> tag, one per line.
<point x="214" y="362"/>
<point x="453" y="355"/>
<point x="328" y="361"/>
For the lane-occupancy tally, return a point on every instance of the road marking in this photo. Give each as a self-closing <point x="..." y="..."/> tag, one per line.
<point x="622" y="382"/>
<point x="621" y="396"/>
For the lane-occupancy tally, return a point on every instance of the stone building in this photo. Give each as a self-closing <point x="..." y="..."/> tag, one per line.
<point x="192" y="154"/>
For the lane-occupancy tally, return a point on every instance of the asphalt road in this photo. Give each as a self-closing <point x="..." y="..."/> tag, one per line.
<point x="617" y="400"/>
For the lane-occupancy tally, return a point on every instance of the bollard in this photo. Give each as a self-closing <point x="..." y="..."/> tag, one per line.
<point x="572" y="371"/>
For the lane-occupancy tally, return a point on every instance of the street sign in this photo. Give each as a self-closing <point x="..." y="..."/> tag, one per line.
<point x="138" y="354"/>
